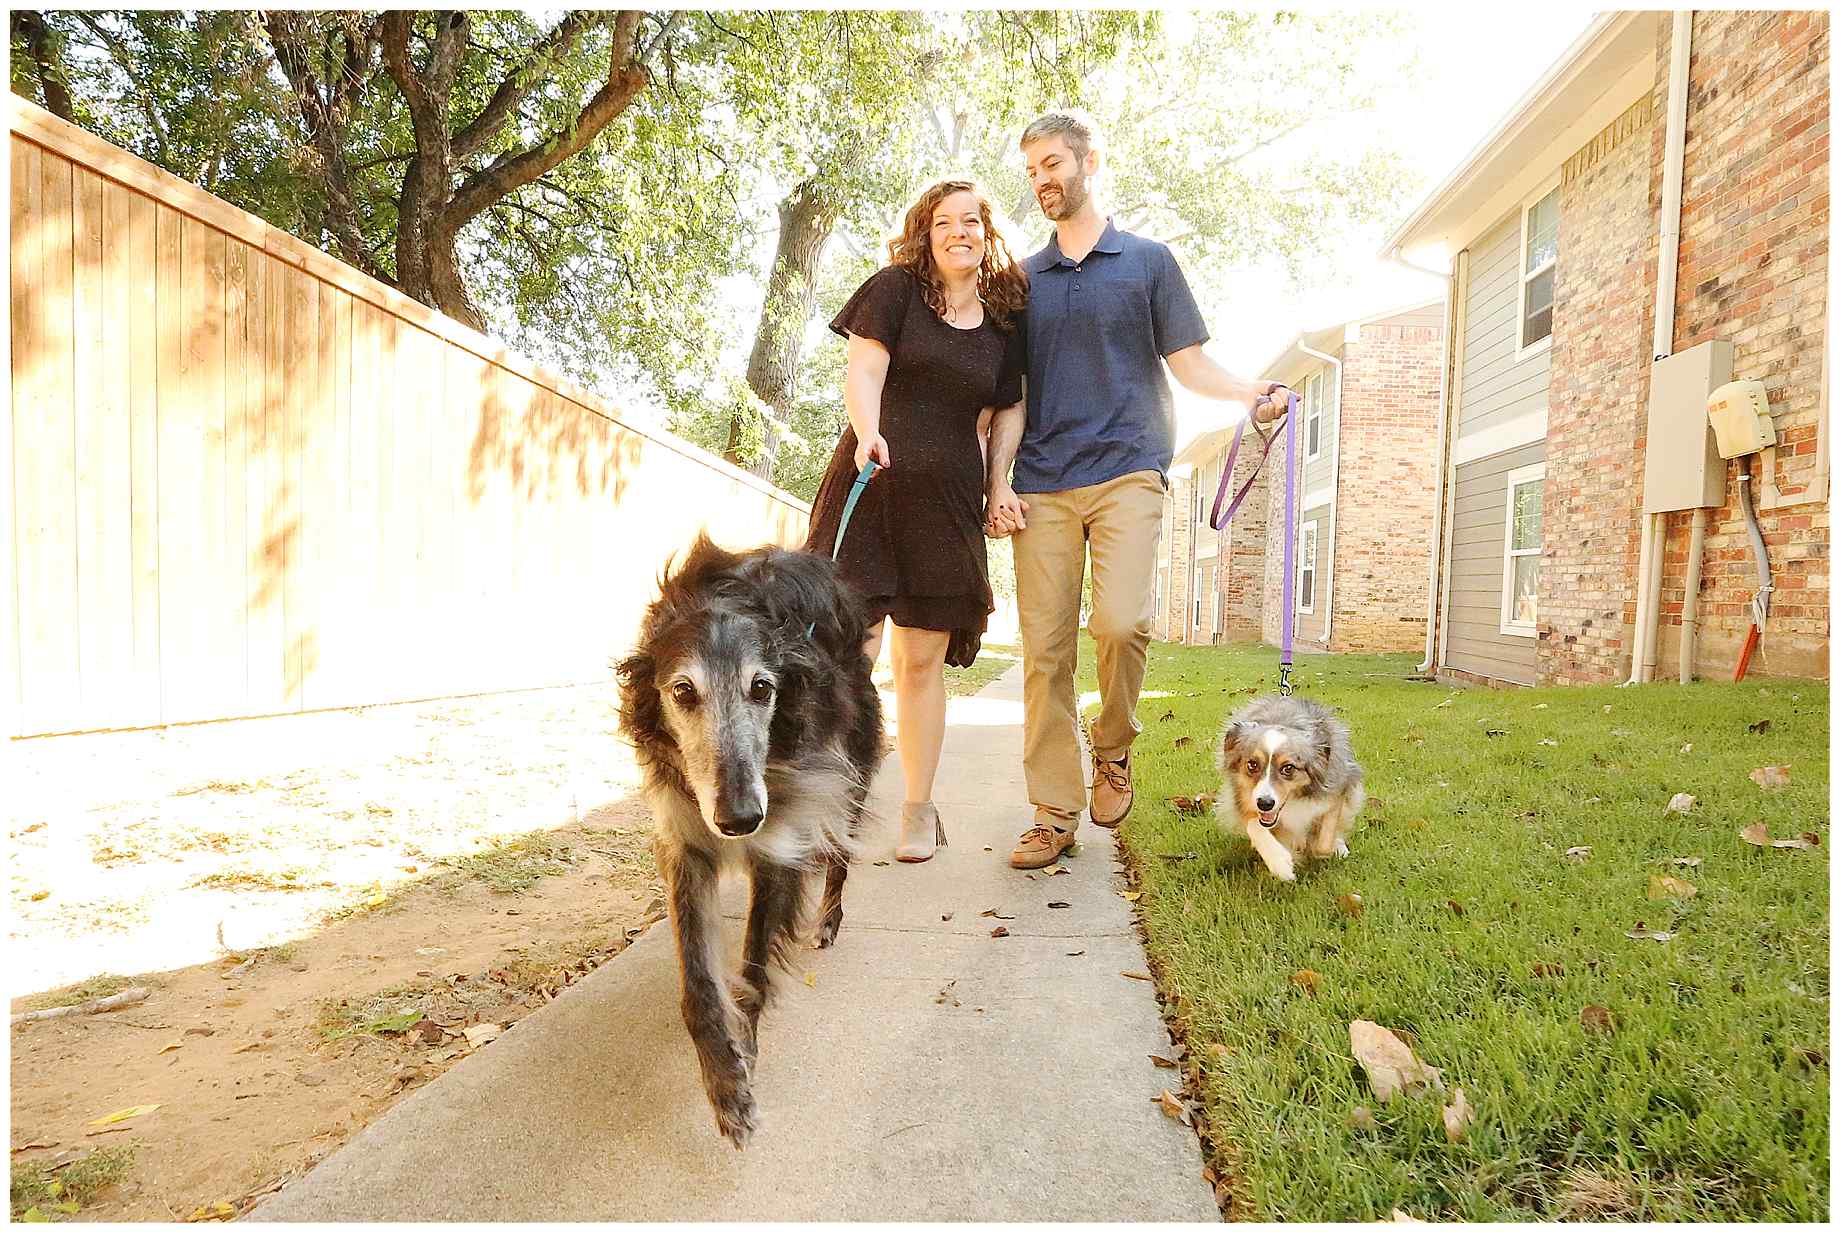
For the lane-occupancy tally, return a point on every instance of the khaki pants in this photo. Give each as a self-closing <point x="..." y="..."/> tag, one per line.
<point x="1122" y="520"/>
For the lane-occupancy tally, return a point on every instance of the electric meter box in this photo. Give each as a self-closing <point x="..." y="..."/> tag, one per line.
<point x="1740" y="415"/>
<point x="1682" y="468"/>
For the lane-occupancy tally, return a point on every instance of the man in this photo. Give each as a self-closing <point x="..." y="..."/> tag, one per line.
<point x="1107" y="309"/>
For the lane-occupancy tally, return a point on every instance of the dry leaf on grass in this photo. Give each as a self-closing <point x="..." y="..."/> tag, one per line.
<point x="1130" y="896"/>
<point x="1759" y="834"/>
<point x="1388" y="1061"/>
<point x="1173" y="1107"/>
<point x="1548" y="969"/>
<point x="1642" y="933"/>
<point x="1183" y="742"/>
<point x="1759" y="728"/>
<point x="1457" y="1117"/>
<point x="1167" y="1063"/>
<point x="1219" y="1050"/>
<point x="1547" y="740"/>
<point x="1597" y="1021"/>
<point x="1685" y="862"/>
<point x="1579" y="854"/>
<point x="1000" y="931"/>
<point x="1351" y="904"/>
<point x="1135" y="975"/>
<point x="1454" y="906"/>
<point x="1680" y="802"/>
<point x="1308" y="981"/>
<point x="1361" y="1118"/>
<point x="1399" y="1217"/>
<point x="1661" y="886"/>
<point x="1770" y="777"/>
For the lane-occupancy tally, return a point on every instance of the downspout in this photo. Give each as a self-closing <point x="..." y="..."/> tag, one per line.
<point x="1335" y="485"/>
<point x="1654" y="542"/>
<point x="1453" y="321"/>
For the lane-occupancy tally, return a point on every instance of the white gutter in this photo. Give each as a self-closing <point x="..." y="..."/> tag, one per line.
<point x="1654" y="538"/>
<point x="1335" y="484"/>
<point x="1436" y="554"/>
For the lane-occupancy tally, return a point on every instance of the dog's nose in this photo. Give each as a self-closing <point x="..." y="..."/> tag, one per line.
<point x="1266" y="804"/>
<point x="737" y="822"/>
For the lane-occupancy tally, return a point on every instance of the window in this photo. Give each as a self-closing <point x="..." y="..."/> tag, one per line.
<point x="1539" y="267"/>
<point x="1306" y="569"/>
<point x="1520" y="570"/>
<point x="1312" y="418"/>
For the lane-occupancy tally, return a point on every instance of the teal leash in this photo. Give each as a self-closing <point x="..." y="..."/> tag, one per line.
<point x="843" y="523"/>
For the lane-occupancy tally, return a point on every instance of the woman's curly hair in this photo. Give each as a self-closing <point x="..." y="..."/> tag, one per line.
<point x="1002" y="284"/>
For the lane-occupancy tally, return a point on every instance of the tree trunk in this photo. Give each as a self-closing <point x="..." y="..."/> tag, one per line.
<point x="806" y="218"/>
<point x="28" y="28"/>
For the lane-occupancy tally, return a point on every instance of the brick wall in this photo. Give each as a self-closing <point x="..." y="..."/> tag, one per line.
<point x="1597" y="406"/>
<point x="1272" y="620"/>
<point x="1179" y="607"/>
<point x="1388" y="486"/>
<point x="1753" y="269"/>
<point x="1243" y="549"/>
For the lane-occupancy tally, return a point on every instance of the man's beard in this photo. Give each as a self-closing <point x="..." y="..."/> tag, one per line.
<point x="1071" y="201"/>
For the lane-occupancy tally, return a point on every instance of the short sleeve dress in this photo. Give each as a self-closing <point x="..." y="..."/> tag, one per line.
<point x="914" y="549"/>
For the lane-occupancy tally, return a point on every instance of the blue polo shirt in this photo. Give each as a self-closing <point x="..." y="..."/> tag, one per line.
<point x="1099" y="401"/>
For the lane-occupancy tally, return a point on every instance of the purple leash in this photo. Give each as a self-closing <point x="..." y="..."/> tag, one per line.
<point x="1217" y="520"/>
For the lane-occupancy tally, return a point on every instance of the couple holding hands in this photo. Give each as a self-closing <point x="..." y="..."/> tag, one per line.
<point x="940" y="341"/>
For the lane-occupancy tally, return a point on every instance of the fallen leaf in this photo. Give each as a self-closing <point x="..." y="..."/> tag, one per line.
<point x="1399" y="1217"/>
<point x="1351" y="905"/>
<point x="1389" y="1063"/>
<point x="1811" y="1058"/>
<point x="1208" y="1175"/>
<point x="1759" y="728"/>
<point x="811" y="980"/>
<point x="1770" y="777"/>
<point x="1059" y="903"/>
<point x="1454" y="906"/>
<point x="211" y="1211"/>
<point x="1640" y="934"/>
<point x="1165" y="717"/>
<point x="482" y="1033"/>
<point x="999" y="932"/>
<point x="1183" y="804"/>
<point x="1597" y="1021"/>
<point x="1579" y="854"/>
<point x="1173" y="1107"/>
<point x="1548" y="969"/>
<point x="1135" y="975"/>
<point x="428" y="1031"/>
<point x="1457" y="1117"/>
<point x="38" y="896"/>
<point x="122" y="1115"/>
<point x="1685" y="862"/>
<point x="1759" y="834"/>
<point x="878" y="862"/>
<point x="1687" y="748"/>
<point x="1179" y="856"/>
<point x="1130" y="896"/>
<point x="200" y="1031"/>
<point x="33" y="1216"/>
<point x="1308" y="981"/>
<point x="1680" y="802"/>
<point x="169" y="1046"/>
<point x="1539" y="706"/>
<point x="1057" y="870"/>
<point x="1167" y="1063"/>
<point x="1183" y="742"/>
<point x="1663" y="887"/>
<point x="1361" y="1118"/>
<point x="1219" y="1050"/>
<point x="1075" y="954"/>
<point x="34" y="1146"/>
<point x="391" y="1024"/>
<point x="946" y="915"/>
<point x="1606" y="708"/>
<point x="1547" y="740"/>
<point x="1494" y="732"/>
<point x="997" y="913"/>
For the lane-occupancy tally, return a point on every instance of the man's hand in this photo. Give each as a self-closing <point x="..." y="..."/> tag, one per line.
<point x="1006" y="513"/>
<point x="1270" y="402"/>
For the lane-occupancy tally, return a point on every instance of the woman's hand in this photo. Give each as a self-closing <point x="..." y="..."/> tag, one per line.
<point x="875" y="447"/>
<point x="1005" y="514"/>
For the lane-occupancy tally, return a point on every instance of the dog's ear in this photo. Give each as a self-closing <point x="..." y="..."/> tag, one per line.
<point x="639" y="701"/>
<point x="1322" y="747"/>
<point x="1232" y="740"/>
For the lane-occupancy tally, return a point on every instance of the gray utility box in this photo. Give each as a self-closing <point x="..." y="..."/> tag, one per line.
<point x="1683" y="469"/>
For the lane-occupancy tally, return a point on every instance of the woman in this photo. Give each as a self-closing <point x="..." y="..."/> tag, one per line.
<point x="935" y="346"/>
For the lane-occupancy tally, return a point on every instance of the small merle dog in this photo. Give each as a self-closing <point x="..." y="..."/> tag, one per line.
<point x="758" y="729"/>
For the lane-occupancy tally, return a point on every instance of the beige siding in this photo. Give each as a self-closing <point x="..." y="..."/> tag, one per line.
<point x="1497" y="388"/>
<point x="1431" y="315"/>
<point x="1478" y="525"/>
<point x="1318" y="472"/>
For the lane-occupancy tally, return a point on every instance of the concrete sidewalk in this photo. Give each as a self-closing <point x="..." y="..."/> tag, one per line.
<point x="927" y="1072"/>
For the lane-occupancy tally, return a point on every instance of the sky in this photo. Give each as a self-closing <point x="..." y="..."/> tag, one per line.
<point x="1470" y="75"/>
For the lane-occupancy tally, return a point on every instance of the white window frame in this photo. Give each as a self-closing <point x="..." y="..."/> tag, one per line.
<point x="1307" y="538"/>
<point x="1536" y="473"/>
<point x="1313" y="416"/>
<point x="1522" y="348"/>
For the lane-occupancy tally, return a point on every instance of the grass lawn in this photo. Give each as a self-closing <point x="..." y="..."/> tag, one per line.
<point x="1708" y="1100"/>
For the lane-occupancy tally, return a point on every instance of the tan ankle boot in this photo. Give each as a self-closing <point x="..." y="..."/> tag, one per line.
<point x="921" y="832"/>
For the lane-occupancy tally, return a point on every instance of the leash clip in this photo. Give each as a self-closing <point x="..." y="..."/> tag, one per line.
<point x="1284" y="680"/>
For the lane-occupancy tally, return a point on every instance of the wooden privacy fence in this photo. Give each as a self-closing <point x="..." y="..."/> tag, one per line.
<point x="238" y="477"/>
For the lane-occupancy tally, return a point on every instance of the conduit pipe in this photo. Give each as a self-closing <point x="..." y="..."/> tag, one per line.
<point x="1453" y="324"/>
<point x="1335" y="485"/>
<point x="1649" y="570"/>
<point x="1689" y="607"/>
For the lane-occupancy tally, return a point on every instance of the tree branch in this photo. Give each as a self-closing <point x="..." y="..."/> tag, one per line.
<point x="625" y="78"/>
<point x="520" y="81"/>
<point x="118" y="52"/>
<point x="28" y="27"/>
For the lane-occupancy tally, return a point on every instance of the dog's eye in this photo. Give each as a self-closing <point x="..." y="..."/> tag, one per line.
<point x="1252" y="766"/>
<point x="684" y="694"/>
<point x="762" y="692"/>
<point x="1288" y="772"/>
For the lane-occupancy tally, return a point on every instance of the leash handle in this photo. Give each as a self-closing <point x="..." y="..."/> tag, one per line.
<point x="1216" y="519"/>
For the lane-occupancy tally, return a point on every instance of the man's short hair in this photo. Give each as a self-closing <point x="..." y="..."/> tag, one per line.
<point x="1078" y="128"/>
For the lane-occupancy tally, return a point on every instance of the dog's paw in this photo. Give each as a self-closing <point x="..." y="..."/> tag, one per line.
<point x="736" y="1115"/>
<point x="828" y="927"/>
<point x="1284" y="871"/>
<point x="1341" y="849"/>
